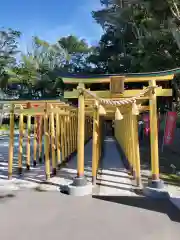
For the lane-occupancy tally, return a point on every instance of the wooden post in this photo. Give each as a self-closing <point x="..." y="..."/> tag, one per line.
<point x="76" y="126"/>
<point x="28" y="158"/>
<point x="120" y="136"/>
<point x="85" y="132"/>
<point x="94" y="146"/>
<point x="91" y="130"/>
<point x="49" y="130"/>
<point x="132" y="145"/>
<point x="125" y="134"/>
<point x="65" y="138"/>
<point x="62" y="137"/>
<point x="80" y="134"/>
<point x="40" y="132"/>
<point x="53" y="144"/>
<point x="137" y="154"/>
<point x="71" y="134"/>
<point x="46" y="144"/>
<point x="154" y="133"/>
<point x="87" y="127"/>
<point x="11" y="143"/>
<point x="21" y="133"/>
<point x="35" y="141"/>
<point x="90" y="127"/>
<point x="98" y="140"/>
<point x="126" y="137"/>
<point x="68" y="136"/>
<point x="58" y="146"/>
<point x="127" y="127"/>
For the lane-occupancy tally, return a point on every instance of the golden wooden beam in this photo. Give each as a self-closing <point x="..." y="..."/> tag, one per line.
<point x="36" y="111"/>
<point x="127" y="93"/>
<point x="40" y="103"/>
<point x="106" y="79"/>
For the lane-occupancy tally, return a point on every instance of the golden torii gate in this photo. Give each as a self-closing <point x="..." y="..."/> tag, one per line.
<point x="63" y="142"/>
<point x="124" y="106"/>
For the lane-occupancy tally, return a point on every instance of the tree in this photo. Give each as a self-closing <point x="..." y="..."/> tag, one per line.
<point x="135" y="40"/>
<point x="166" y="11"/>
<point x="78" y="51"/>
<point x="38" y="71"/>
<point x="109" y="56"/>
<point x="8" y="51"/>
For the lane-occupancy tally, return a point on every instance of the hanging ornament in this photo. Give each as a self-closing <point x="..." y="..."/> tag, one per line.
<point x="118" y="115"/>
<point x="101" y="110"/>
<point x="135" y="110"/>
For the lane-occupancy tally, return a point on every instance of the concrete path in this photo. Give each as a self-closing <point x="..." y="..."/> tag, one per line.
<point x="50" y="215"/>
<point x="112" y="176"/>
<point x="29" y="179"/>
<point x="113" y="212"/>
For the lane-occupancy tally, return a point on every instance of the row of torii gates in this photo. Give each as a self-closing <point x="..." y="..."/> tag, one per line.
<point x="61" y="128"/>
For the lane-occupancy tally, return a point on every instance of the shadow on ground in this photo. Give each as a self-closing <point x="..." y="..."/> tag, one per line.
<point x="5" y="197"/>
<point x="158" y="205"/>
<point x="35" y="174"/>
<point x="111" y="173"/>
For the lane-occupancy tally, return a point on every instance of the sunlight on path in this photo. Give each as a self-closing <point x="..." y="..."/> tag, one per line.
<point x="112" y="176"/>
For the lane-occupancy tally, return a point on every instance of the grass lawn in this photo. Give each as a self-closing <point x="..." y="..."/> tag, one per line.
<point x="172" y="179"/>
<point x="166" y="158"/>
<point x="4" y="127"/>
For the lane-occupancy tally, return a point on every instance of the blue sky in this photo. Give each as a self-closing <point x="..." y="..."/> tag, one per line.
<point x="51" y="19"/>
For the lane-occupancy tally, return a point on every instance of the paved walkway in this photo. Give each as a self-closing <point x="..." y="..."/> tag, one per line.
<point x="113" y="212"/>
<point x="112" y="176"/>
<point x="50" y="215"/>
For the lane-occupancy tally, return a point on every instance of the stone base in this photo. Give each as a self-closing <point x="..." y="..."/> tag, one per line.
<point x="79" y="181"/>
<point x="80" y="190"/>
<point x="80" y="187"/>
<point x="155" y="192"/>
<point x="156" y="184"/>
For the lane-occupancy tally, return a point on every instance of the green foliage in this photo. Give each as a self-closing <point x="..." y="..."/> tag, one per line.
<point x="38" y="71"/>
<point x="78" y="52"/>
<point x="8" y="47"/>
<point x="73" y="45"/>
<point x="135" y="40"/>
<point x="139" y="36"/>
<point x="8" y="50"/>
<point x="37" y="74"/>
<point x="4" y="127"/>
